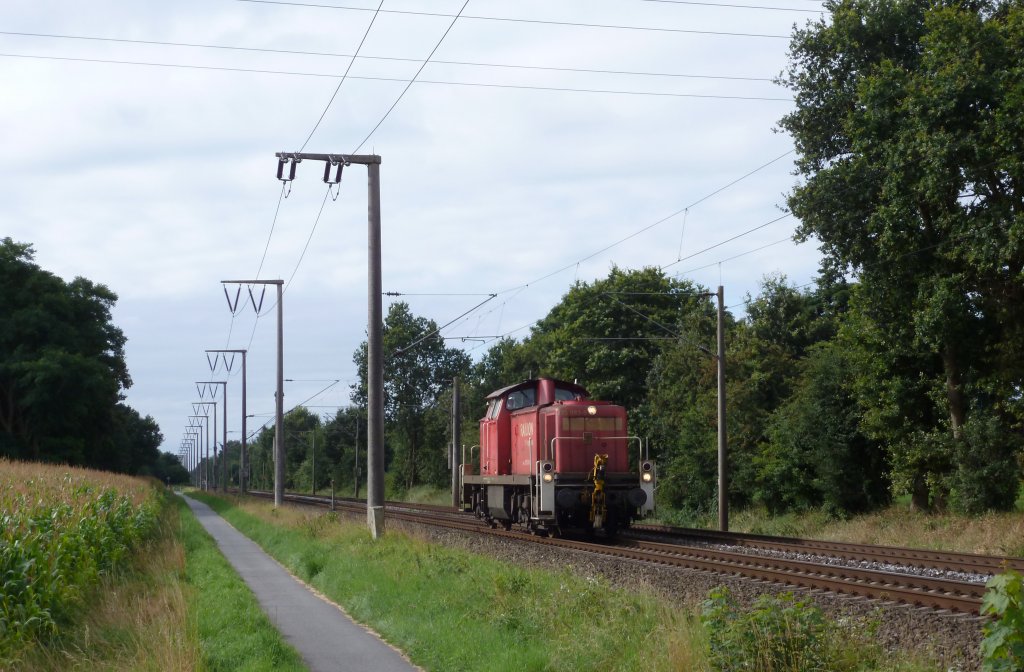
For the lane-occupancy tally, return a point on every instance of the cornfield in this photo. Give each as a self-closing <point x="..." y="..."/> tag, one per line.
<point x="61" y="530"/>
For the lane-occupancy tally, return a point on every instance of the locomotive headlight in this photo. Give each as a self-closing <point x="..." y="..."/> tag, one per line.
<point x="647" y="477"/>
<point x="548" y="477"/>
<point x="592" y="410"/>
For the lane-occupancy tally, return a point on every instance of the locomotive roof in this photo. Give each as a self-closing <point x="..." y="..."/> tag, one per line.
<point x="579" y="389"/>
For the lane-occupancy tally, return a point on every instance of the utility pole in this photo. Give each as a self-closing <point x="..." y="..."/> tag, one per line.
<point x="374" y="330"/>
<point x="355" y="481"/>
<point x="192" y="462"/>
<point x="211" y="470"/>
<point x="203" y="463"/>
<point x="224" y="442"/>
<point x="455" y="457"/>
<point x="279" y="454"/>
<point x="723" y="444"/>
<point x="243" y="459"/>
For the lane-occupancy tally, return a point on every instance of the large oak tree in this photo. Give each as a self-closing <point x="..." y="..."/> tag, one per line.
<point x="909" y="127"/>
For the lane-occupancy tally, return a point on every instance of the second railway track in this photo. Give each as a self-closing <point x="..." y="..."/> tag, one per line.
<point x="755" y="557"/>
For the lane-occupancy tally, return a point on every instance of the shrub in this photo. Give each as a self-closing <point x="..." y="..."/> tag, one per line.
<point x="777" y="633"/>
<point x="1002" y="650"/>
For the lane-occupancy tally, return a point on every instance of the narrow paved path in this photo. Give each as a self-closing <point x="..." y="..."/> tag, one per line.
<point x="327" y="639"/>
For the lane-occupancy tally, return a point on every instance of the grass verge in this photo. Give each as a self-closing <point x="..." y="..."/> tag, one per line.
<point x="449" y="609"/>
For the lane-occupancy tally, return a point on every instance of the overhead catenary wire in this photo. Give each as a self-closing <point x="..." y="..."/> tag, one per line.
<point x="358" y="56"/>
<point x="732" y="6"/>
<point x="408" y="82"/>
<point x="407" y="86"/>
<point x="728" y="240"/>
<point x="654" y="224"/>
<point x="545" y="22"/>
<point x="347" y="70"/>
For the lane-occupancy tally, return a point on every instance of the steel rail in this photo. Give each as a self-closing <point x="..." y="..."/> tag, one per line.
<point x="919" y="557"/>
<point x="872" y="584"/>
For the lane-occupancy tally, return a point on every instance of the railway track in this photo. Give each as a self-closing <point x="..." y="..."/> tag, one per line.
<point x="671" y="549"/>
<point x="967" y="563"/>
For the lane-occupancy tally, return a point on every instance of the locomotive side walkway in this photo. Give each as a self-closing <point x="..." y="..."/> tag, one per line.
<point x="327" y="639"/>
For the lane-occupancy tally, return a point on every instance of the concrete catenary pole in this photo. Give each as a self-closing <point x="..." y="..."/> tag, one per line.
<point x="355" y="477"/>
<point x="279" y="450"/>
<point x="455" y="459"/>
<point x="374" y="328"/>
<point x="374" y="362"/>
<point x="279" y="472"/>
<point x="243" y="454"/>
<point x="204" y="446"/>
<point x="723" y="444"/>
<point x="193" y="461"/>
<point x="224" y="442"/>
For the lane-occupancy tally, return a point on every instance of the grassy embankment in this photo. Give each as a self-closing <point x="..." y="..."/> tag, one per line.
<point x="449" y="609"/>
<point x="102" y="571"/>
<point x="989" y="533"/>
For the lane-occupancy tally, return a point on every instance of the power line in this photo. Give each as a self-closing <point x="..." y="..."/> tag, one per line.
<point x="574" y="24"/>
<point x="729" y="6"/>
<point x="408" y="82"/>
<point x="338" y="88"/>
<point x="651" y="226"/>
<point x="737" y="256"/>
<point x="357" y="56"/>
<point x="306" y="247"/>
<point x="406" y="89"/>
<point x="273" y="224"/>
<point x="728" y="240"/>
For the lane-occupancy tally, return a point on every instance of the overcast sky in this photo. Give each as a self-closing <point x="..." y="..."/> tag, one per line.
<point x="139" y="141"/>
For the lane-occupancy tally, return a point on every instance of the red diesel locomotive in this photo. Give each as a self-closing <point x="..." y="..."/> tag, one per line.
<point x="553" y="460"/>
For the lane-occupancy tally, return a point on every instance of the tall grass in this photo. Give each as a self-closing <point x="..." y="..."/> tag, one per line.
<point x="991" y="533"/>
<point x="61" y="532"/>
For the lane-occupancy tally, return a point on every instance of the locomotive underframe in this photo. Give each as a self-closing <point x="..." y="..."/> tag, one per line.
<point x="516" y="499"/>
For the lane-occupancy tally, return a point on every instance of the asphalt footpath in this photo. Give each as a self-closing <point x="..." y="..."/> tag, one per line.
<point x="327" y="639"/>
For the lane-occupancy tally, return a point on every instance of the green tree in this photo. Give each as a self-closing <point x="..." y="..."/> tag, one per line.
<point x="418" y="369"/>
<point x="169" y="469"/>
<point x="608" y="333"/>
<point x="816" y="455"/>
<point x="344" y="434"/>
<point x="764" y="355"/>
<point x="62" y="372"/>
<point x="908" y="123"/>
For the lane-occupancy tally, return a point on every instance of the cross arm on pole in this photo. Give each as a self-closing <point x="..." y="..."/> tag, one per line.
<point x="362" y="159"/>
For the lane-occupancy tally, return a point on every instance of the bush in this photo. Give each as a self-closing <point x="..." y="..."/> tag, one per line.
<point x="778" y="633"/>
<point x="987" y="475"/>
<point x="1002" y="650"/>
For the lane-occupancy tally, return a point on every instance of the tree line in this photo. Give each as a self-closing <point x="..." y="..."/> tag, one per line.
<point x="63" y="374"/>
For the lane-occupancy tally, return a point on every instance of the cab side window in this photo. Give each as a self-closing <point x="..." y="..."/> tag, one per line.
<point x="521" y="399"/>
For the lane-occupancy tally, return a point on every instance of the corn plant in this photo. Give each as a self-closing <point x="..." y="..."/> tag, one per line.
<point x="62" y="529"/>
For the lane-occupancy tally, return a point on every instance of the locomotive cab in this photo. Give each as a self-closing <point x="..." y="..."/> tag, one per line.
<point x="552" y="459"/>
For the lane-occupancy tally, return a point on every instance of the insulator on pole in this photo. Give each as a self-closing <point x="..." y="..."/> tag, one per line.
<point x="232" y="306"/>
<point x="291" y="170"/>
<point x="337" y="175"/>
